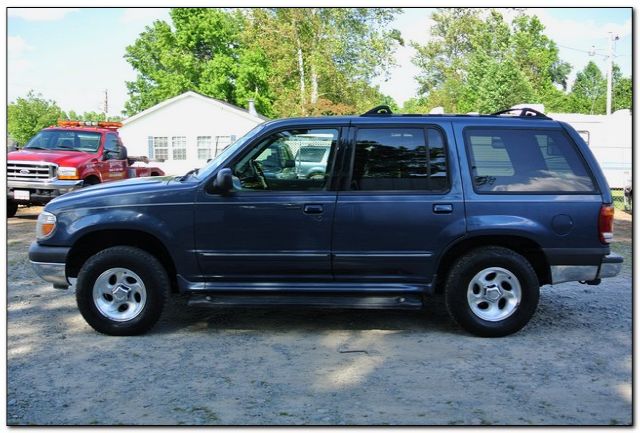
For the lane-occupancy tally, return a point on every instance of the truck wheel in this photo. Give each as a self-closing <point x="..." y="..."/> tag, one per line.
<point x="492" y="291"/>
<point x="12" y="208"/>
<point x="122" y="291"/>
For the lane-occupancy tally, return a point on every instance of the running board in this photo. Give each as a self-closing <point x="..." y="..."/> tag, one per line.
<point x="409" y="302"/>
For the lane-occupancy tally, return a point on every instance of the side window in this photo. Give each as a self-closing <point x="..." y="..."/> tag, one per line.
<point x="281" y="162"/>
<point x="112" y="146"/>
<point x="519" y="160"/>
<point x="400" y="159"/>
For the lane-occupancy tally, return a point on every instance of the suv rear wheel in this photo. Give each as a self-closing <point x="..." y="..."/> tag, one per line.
<point x="122" y="291"/>
<point x="492" y="291"/>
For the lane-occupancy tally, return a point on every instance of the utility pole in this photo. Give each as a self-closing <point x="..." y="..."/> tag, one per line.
<point x="106" y="104"/>
<point x="610" y="70"/>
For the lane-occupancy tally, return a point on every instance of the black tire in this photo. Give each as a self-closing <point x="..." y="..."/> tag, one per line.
<point x="145" y="266"/>
<point x="477" y="263"/>
<point x="12" y="208"/>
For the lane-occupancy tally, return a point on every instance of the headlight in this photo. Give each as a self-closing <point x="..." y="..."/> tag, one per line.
<point x="67" y="173"/>
<point x="45" y="226"/>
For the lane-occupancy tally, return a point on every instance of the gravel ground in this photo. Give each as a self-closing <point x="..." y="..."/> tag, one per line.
<point x="570" y="365"/>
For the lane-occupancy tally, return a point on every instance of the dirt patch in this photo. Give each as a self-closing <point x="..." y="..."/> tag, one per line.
<point x="570" y="365"/>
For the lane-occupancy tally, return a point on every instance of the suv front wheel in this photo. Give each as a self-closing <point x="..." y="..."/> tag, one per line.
<point x="492" y="291"/>
<point x="122" y="291"/>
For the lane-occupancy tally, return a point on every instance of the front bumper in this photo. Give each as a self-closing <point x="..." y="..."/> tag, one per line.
<point x="49" y="264"/>
<point x="42" y="192"/>
<point x="609" y="267"/>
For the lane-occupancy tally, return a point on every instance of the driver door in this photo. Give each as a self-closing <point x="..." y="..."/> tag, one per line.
<point x="111" y="167"/>
<point x="276" y="225"/>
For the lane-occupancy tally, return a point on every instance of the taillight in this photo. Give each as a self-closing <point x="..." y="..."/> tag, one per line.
<point x="605" y="224"/>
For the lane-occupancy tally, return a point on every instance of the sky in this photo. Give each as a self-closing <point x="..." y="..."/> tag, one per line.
<point x="72" y="55"/>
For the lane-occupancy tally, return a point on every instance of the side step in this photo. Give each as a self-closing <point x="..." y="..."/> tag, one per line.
<point x="407" y="302"/>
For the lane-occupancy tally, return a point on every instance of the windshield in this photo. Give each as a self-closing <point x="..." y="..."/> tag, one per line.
<point x="56" y="139"/>
<point x="215" y="162"/>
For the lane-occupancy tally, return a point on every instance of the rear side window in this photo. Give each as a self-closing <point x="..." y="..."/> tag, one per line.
<point x="399" y="159"/>
<point x="518" y="160"/>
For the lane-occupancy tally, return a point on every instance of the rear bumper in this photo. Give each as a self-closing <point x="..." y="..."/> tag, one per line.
<point x="610" y="266"/>
<point x="50" y="264"/>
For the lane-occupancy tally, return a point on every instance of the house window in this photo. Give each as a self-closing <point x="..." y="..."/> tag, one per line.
<point x="222" y="141"/>
<point x="204" y="147"/>
<point x="179" y="147"/>
<point x="160" y="147"/>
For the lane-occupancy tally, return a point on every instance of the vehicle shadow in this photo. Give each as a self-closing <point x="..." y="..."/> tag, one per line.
<point x="178" y="315"/>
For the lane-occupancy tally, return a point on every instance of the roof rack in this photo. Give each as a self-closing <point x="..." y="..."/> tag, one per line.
<point x="380" y="110"/>
<point x="523" y="113"/>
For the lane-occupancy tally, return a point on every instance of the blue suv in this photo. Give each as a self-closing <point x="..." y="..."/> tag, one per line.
<point x="481" y="209"/>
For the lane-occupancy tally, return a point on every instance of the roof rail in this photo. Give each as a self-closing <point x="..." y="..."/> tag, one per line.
<point x="380" y="110"/>
<point x="523" y="113"/>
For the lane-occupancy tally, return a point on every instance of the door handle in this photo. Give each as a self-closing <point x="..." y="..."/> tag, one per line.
<point x="313" y="208"/>
<point x="442" y="208"/>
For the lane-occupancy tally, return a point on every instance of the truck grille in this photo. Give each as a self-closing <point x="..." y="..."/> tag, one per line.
<point x="30" y="171"/>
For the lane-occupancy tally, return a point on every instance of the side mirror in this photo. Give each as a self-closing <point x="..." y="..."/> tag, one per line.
<point x="123" y="154"/>
<point x="224" y="180"/>
<point x="289" y="163"/>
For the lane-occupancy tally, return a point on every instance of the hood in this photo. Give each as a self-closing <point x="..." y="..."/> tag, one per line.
<point x="137" y="191"/>
<point x="60" y="157"/>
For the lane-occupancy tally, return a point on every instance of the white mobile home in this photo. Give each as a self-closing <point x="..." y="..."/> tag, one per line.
<point x="609" y="138"/>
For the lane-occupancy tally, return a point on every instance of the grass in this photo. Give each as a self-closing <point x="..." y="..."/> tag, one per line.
<point x="618" y="199"/>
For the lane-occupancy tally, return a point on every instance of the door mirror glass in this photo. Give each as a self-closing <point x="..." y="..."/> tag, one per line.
<point x="224" y="180"/>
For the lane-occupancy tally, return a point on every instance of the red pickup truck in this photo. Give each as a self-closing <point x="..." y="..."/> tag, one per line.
<point x="66" y="157"/>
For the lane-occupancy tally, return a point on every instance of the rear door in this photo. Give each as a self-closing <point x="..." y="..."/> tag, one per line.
<point x="400" y="204"/>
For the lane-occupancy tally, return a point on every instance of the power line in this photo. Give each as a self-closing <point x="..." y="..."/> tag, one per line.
<point x="590" y="52"/>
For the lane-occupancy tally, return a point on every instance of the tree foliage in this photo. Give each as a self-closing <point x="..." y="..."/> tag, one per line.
<point x="26" y="116"/>
<point x="589" y="91"/>
<point x="477" y="61"/>
<point x="200" y="50"/>
<point x="289" y="60"/>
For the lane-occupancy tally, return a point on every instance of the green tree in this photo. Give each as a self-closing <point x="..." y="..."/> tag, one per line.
<point x="26" y="116"/>
<point x="622" y="90"/>
<point x="200" y="50"/>
<point x="588" y="93"/>
<point x="324" y="56"/>
<point x="476" y="61"/>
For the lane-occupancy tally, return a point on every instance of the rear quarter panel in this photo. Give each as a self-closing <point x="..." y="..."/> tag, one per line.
<point x="564" y="225"/>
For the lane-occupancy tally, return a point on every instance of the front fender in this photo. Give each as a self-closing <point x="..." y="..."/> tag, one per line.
<point x="76" y="224"/>
<point x="90" y="172"/>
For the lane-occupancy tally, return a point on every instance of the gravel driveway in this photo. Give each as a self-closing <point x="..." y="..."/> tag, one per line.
<point x="570" y="365"/>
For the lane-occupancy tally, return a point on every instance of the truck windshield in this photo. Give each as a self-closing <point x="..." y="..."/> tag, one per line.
<point x="222" y="156"/>
<point x="55" y="139"/>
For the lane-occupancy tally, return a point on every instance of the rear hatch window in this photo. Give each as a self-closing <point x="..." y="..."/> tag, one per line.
<point x="525" y="161"/>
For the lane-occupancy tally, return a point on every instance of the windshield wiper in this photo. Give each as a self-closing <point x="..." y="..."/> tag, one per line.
<point x="186" y="175"/>
<point x="66" y="148"/>
<point x="36" y="147"/>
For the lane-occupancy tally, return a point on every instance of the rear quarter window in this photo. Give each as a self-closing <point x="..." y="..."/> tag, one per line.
<point x="525" y="161"/>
